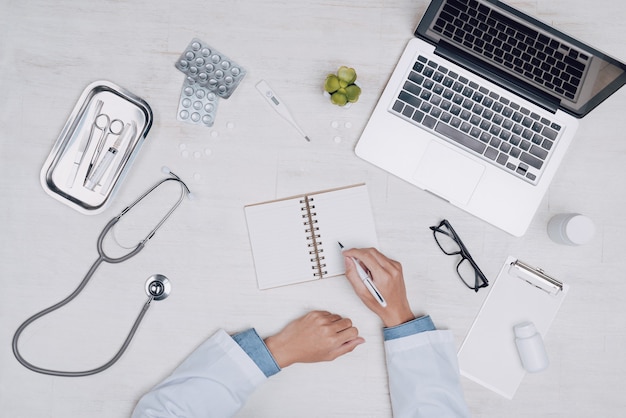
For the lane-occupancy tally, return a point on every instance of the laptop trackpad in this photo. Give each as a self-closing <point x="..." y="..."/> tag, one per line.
<point x="448" y="173"/>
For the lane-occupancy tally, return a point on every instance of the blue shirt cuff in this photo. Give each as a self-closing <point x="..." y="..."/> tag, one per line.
<point x="256" y="349"/>
<point x="415" y="326"/>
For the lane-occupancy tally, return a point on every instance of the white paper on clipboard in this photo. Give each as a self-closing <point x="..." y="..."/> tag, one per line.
<point x="520" y="293"/>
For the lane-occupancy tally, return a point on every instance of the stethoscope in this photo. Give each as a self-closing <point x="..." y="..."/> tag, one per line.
<point x="157" y="286"/>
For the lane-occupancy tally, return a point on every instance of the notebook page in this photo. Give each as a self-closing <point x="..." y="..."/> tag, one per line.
<point x="279" y="243"/>
<point x="343" y="215"/>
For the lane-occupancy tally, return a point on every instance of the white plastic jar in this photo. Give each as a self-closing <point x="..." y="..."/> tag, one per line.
<point x="571" y="229"/>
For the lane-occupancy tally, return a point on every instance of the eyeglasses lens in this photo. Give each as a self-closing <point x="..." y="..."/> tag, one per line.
<point x="446" y="242"/>
<point x="468" y="274"/>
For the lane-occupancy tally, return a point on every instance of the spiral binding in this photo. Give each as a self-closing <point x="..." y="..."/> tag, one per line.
<point x="313" y="236"/>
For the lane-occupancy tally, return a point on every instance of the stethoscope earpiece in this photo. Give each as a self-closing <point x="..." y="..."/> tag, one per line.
<point x="158" y="287"/>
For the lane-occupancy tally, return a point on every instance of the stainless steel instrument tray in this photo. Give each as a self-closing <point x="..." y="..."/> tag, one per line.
<point x="65" y="170"/>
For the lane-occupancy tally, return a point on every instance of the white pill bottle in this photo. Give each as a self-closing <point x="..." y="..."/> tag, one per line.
<point x="530" y="346"/>
<point x="571" y="229"/>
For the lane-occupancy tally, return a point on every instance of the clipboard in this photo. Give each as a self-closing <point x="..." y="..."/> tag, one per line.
<point x="520" y="293"/>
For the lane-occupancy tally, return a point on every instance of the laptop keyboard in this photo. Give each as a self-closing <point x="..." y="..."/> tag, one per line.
<point x="469" y="115"/>
<point x="513" y="46"/>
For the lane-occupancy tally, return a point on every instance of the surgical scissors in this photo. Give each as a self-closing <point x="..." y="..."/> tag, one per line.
<point x="157" y="289"/>
<point x="107" y="126"/>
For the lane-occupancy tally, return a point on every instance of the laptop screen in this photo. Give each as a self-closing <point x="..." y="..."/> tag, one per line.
<point x="521" y="53"/>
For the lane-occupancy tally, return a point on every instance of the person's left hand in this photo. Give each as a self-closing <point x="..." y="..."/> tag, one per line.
<point x="317" y="336"/>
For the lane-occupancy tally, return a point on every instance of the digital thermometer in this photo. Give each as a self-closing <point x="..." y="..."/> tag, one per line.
<point x="277" y="104"/>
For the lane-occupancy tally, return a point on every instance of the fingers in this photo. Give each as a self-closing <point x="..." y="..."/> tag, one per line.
<point x="338" y="327"/>
<point x="380" y="269"/>
<point x="347" y="347"/>
<point x="374" y="260"/>
<point x="347" y="337"/>
<point x="387" y="276"/>
<point x="356" y="282"/>
<point x="336" y="324"/>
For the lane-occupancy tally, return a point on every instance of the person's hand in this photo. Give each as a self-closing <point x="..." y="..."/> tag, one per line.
<point x="317" y="336"/>
<point x="387" y="275"/>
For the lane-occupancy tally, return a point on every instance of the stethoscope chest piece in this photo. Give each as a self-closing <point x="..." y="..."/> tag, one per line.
<point x="158" y="287"/>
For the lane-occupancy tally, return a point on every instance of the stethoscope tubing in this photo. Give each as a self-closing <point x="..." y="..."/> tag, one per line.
<point x="102" y="257"/>
<point x="62" y="303"/>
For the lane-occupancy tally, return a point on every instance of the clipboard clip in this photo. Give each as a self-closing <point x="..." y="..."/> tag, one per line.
<point x="536" y="277"/>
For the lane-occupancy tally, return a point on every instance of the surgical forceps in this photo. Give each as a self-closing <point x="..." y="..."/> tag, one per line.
<point x="157" y="286"/>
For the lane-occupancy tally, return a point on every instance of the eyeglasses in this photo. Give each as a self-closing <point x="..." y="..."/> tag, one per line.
<point x="450" y="243"/>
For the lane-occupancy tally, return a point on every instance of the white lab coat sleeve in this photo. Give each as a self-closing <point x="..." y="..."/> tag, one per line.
<point x="214" y="381"/>
<point x="424" y="380"/>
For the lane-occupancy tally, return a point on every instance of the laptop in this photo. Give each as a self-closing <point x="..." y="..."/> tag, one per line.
<point x="482" y="107"/>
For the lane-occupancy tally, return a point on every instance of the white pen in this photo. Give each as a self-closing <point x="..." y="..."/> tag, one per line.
<point x="367" y="281"/>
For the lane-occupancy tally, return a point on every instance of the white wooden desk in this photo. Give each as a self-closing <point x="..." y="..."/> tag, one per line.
<point x="50" y="50"/>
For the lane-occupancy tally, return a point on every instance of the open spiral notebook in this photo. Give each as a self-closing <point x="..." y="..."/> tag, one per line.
<point x="295" y="239"/>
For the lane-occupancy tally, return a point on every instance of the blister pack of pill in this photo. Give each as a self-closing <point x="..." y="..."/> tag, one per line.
<point x="209" y="76"/>
<point x="197" y="104"/>
<point x="210" y="68"/>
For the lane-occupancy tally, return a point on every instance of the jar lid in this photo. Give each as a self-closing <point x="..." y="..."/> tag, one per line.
<point x="525" y="329"/>
<point x="580" y="229"/>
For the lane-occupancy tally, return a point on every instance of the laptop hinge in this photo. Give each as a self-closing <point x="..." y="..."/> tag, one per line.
<point x="497" y="76"/>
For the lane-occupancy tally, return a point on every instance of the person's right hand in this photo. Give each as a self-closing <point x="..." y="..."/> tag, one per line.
<point x="387" y="275"/>
<point x="317" y="336"/>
